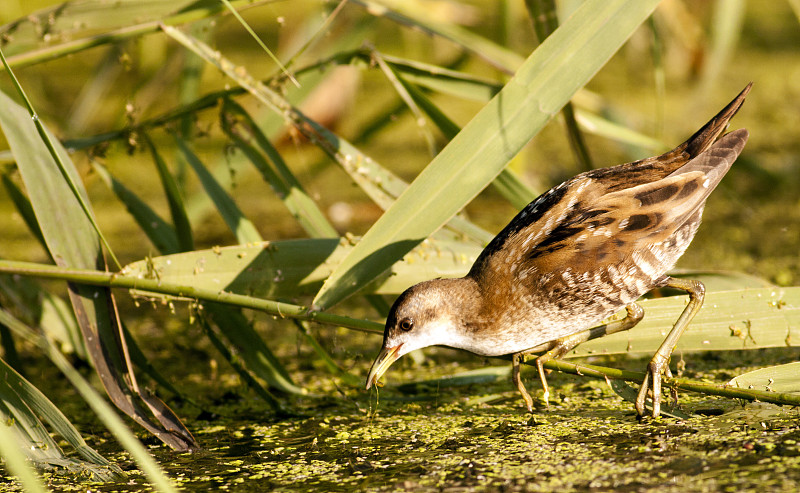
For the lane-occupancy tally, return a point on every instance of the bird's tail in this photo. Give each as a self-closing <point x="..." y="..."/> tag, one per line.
<point x="708" y="134"/>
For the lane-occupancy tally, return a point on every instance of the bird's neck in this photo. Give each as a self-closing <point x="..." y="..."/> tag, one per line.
<point x="469" y="311"/>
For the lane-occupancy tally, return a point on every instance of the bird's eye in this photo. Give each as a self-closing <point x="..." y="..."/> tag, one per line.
<point x="406" y="324"/>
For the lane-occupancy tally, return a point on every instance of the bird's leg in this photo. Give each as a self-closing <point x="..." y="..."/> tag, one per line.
<point x="516" y="359"/>
<point x="660" y="363"/>
<point x="562" y="346"/>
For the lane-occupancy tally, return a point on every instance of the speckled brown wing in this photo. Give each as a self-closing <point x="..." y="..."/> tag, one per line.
<point x="619" y="242"/>
<point x="591" y="233"/>
<point x="551" y="205"/>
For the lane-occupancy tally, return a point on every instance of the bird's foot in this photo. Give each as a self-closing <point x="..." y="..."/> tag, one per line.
<point x="540" y="361"/>
<point x="516" y="361"/>
<point x="657" y="367"/>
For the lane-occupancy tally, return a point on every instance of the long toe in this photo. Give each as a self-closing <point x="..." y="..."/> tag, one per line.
<point x="655" y="373"/>
<point x="641" y="399"/>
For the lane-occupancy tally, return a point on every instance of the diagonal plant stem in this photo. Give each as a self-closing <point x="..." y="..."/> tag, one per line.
<point x="121" y="34"/>
<point x="16" y="464"/>
<point x="297" y="312"/>
<point x="102" y="409"/>
<point x="721" y="390"/>
<point x="260" y="41"/>
<point x="115" y="280"/>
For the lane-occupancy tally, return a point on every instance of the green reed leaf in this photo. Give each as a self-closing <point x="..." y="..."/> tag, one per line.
<point x="288" y="268"/>
<point x="749" y="318"/>
<point x="180" y="219"/>
<point x="242" y="227"/>
<point x="160" y="232"/>
<point x="780" y="378"/>
<point x="547" y="80"/>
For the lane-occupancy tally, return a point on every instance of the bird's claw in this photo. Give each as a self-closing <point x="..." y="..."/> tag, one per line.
<point x="657" y="367"/>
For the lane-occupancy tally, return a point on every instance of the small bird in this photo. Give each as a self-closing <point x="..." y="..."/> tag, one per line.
<point x="577" y="254"/>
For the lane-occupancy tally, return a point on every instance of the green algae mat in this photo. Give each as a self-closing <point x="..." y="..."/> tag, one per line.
<point x="477" y="437"/>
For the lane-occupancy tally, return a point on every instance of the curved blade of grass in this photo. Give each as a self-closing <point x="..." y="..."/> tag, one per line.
<point x="560" y="66"/>
<point x="21" y="403"/>
<point x="73" y="239"/>
<point x="160" y="232"/>
<point x="380" y="184"/>
<point x="242" y="227"/>
<point x="282" y="180"/>
<point x="288" y="268"/>
<point x="179" y="217"/>
<point x="742" y="319"/>
<point x="507" y="182"/>
<point x="780" y="378"/>
<point x="104" y="412"/>
<point x="443" y="80"/>
<point x="466" y="86"/>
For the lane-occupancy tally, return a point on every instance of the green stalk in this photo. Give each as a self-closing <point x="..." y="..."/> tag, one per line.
<point x="117" y="280"/>
<point x="101" y="408"/>
<point x="16" y="463"/>
<point x="721" y="390"/>
<point x="260" y="42"/>
<point x="75" y="46"/>
<point x="297" y="312"/>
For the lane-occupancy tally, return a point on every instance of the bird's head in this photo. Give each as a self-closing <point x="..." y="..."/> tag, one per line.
<point x="428" y="314"/>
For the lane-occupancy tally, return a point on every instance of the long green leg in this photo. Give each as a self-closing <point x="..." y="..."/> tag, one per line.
<point x="560" y="347"/>
<point x="659" y="365"/>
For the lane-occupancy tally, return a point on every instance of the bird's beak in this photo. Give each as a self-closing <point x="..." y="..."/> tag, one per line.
<point x="387" y="356"/>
